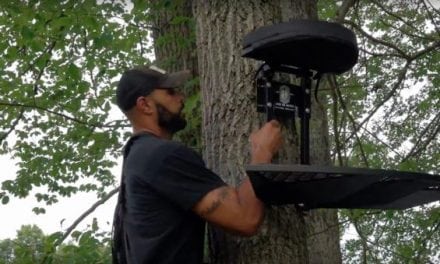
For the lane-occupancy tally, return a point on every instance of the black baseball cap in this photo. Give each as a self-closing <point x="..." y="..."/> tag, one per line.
<point x="141" y="81"/>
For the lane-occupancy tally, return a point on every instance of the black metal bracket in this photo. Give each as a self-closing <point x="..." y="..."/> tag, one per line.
<point x="301" y="100"/>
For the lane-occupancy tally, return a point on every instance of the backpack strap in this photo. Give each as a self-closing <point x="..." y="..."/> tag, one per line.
<point x="119" y="237"/>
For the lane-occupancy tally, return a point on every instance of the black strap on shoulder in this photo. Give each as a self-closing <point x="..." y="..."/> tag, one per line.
<point x="119" y="245"/>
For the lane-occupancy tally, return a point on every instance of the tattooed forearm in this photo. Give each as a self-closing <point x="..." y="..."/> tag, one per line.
<point x="222" y="195"/>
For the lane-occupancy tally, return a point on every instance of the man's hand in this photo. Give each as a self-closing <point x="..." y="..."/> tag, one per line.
<point x="265" y="142"/>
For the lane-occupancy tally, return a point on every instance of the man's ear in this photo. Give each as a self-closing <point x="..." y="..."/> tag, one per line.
<point x="145" y="105"/>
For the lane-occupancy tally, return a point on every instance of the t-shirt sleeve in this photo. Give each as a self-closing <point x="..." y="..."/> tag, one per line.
<point x="184" y="179"/>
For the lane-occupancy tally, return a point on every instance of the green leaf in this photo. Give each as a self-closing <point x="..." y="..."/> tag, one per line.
<point x="54" y="237"/>
<point x="27" y="33"/>
<point x="408" y="165"/>
<point x="39" y="210"/>
<point x="74" y="72"/>
<point x="76" y="234"/>
<point x="12" y="53"/>
<point x="41" y="61"/>
<point x="95" y="226"/>
<point x="5" y="199"/>
<point x="62" y="22"/>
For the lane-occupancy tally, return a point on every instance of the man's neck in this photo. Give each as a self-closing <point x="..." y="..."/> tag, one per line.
<point x="158" y="132"/>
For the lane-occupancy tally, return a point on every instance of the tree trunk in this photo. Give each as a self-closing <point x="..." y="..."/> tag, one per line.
<point x="175" y="50"/>
<point x="173" y="34"/>
<point x="229" y="115"/>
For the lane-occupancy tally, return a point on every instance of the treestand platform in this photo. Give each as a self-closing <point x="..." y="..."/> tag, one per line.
<point x="308" y="49"/>
<point x="337" y="187"/>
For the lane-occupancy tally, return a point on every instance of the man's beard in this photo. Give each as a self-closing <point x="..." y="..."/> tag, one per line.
<point x="169" y="121"/>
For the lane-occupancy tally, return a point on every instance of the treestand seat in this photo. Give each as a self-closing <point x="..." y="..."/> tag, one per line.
<point x="307" y="44"/>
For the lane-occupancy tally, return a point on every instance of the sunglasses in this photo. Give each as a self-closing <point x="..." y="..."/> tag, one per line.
<point x="175" y="91"/>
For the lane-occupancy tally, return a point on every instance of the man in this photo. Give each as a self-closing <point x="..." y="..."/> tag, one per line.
<point x="166" y="192"/>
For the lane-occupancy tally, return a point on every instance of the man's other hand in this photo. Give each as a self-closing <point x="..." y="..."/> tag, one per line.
<point x="265" y="142"/>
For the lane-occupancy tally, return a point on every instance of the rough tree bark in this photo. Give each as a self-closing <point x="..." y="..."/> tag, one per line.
<point x="226" y="79"/>
<point x="173" y="34"/>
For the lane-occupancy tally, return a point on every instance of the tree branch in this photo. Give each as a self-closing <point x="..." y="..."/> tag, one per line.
<point x="420" y="53"/>
<point x="405" y="32"/>
<point x="424" y="243"/>
<point x="84" y="215"/>
<point x="387" y="11"/>
<point x="32" y="64"/>
<point x="350" y="117"/>
<point x="365" y="248"/>
<point x="376" y="40"/>
<point x="14" y="124"/>
<point x="343" y="10"/>
<point x="387" y="97"/>
<point x="431" y="17"/>
<point x="433" y="8"/>
<point x="366" y="213"/>
<point x="11" y="104"/>
<point x="383" y="142"/>
<point x="40" y="74"/>
<point x="377" y="244"/>
<point x="78" y="221"/>
<point x="416" y="149"/>
<point x="48" y="50"/>
<point x="404" y="55"/>
<point x="379" y="54"/>
<point x="335" y="125"/>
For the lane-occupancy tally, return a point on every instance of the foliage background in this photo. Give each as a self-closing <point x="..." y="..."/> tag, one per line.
<point x="58" y="71"/>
